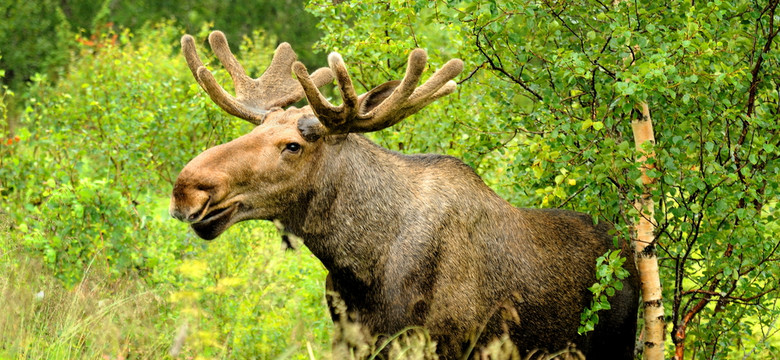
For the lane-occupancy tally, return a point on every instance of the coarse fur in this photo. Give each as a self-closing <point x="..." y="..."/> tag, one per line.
<point x="412" y="240"/>
<point x="421" y="240"/>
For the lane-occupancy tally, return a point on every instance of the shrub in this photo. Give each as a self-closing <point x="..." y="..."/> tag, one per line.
<point x="105" y="139"/>
<point x="85" y="190"/>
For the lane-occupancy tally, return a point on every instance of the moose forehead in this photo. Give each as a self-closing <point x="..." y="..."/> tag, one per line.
<point x="280" y="120"/>
<point x="279" y="128"/>
<point x="303" y="120"/>
<point x="286" y="117"/>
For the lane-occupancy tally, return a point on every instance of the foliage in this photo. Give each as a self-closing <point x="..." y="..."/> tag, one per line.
<point x="100" y="318"/>
<point x="5" y="95"/>
<point x="245" y="298"/>
<point x="282" y="20"/>
<point x="30" y="47"/>
<point x="96" y="143"/>
<point x="547" y="96"/>
<point x="231" y="301"/>
<point x="86" y="219"/>
<point x="85" y="186"/>
<point x="609" y="273"/>
<point x="42" y="46"/>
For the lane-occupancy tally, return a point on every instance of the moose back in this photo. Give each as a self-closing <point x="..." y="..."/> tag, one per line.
<point x="408" y="240"/>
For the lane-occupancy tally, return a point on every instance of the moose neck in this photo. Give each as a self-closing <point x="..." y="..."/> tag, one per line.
<point x="356" y="207"/>
<point x="366" y="200"/>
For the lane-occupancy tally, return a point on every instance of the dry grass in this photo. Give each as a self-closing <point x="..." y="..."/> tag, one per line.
<point x="123" y="319"/>
<point x="98" y="319"/>
<point x="354" y="342"/>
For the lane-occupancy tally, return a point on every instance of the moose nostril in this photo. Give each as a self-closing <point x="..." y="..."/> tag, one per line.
<point x="189" y="206"/>
<point x="205" y="187"/>
<point x="174" y="213"/>
<point x="193" y="217"/>
<point x="200" y="212"/>
<point x="192" y="195"/>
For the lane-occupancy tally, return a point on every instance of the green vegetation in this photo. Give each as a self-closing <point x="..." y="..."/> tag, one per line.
<point x="543" y="113"/>
<point x="95" y="127"/>
<point x="36" y="36"/>
<point x="91" y="264"/>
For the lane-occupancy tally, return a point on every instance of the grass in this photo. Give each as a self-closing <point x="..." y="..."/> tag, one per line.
<point x="99" y="318"/>
<point x="240" y="297"/>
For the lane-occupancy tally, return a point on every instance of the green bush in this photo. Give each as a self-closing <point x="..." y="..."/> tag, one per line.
<point x="76" y="223"/>
<point x="85" y="191"/>
<point x="34" y="38"/>
<point x="106" y="138"/>
<point x="248" y="298"/>
<point x="543" y="112"/>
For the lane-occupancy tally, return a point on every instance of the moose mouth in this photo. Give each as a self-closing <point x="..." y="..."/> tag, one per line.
<point x="215" y="222"/>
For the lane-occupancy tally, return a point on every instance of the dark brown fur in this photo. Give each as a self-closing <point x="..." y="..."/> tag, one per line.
<point x="407" y="239"/>
<point x="428" y="243"/>
<point x="421" y="240"/>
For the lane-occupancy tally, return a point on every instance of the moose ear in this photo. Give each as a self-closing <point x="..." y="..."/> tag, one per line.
<point x="311" y="129"/>
<point x="371" y="99"/>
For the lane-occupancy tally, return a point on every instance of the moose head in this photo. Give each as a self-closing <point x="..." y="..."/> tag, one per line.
<point x="259" y="175"/>
<point x="408" y="240"/>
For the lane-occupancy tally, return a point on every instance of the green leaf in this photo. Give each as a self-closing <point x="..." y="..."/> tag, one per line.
<point x="753" y="158"/>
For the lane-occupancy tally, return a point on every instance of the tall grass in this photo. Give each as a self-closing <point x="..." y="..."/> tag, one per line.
<point x="99" y="318"/>
<point x="92" y="266"/>
<point x="228" y="300"/>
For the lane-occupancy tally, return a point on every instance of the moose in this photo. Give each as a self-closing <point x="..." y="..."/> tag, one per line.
<point x="407" y="240"/>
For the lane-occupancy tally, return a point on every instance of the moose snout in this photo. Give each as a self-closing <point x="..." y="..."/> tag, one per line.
<point x="192" y="196"/>
<point x="189" y="205"/>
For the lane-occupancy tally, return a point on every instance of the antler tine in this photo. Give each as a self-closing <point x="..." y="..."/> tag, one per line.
<point x="347" y="90"/>
<point x="254" y="97"/>
<point x="440" y="83"/>
<point x="191" y="55"/>
<point x="331" y="116"/>
<point x="414" y="69"/>
<point x="383" y="106"/>
<point x="406" y="100"/>
<point x="321" y="106"/>
<point x="219" y="45"/>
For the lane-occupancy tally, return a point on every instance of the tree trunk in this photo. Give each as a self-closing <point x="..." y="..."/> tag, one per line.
<point x="644" y="244"/>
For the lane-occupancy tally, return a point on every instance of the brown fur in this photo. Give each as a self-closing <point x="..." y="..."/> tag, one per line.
<point x="413" y="239"/>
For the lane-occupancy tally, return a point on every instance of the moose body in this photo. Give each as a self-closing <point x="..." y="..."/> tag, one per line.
<point x="408" y="240"/>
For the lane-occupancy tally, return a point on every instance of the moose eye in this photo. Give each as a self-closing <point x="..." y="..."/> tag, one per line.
<point x="293" y="147"/>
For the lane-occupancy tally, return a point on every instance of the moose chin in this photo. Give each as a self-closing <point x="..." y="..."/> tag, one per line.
<point x="408" y="240"/>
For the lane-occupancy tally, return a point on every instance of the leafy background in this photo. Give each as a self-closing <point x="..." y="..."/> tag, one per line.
<point x="99" y="113"/>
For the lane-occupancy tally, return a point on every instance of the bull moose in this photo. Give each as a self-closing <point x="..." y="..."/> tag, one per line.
<point x="408" y="240"/>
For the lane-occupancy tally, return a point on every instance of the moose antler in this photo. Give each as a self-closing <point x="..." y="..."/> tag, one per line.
<point x="383" y="106"/>
<point x="254" y="97"/>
